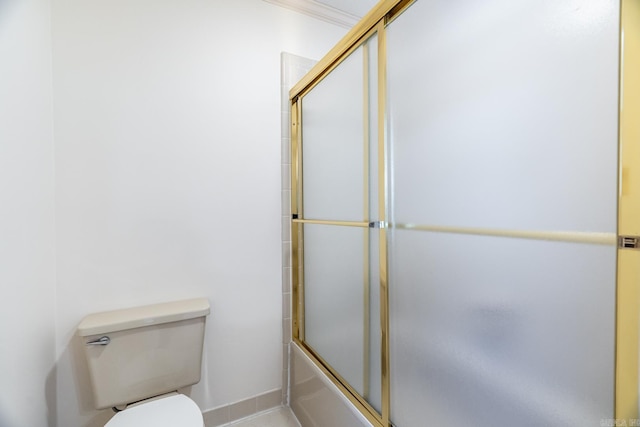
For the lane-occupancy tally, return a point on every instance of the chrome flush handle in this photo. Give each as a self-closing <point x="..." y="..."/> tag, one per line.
<point x="100" y="341"/>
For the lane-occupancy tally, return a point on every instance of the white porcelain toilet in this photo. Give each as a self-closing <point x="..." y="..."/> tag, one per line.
<point x="139" y="358"/>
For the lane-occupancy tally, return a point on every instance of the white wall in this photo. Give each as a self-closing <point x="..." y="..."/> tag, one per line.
<point x="27" y="345"/>
<point x="167" y="122"/>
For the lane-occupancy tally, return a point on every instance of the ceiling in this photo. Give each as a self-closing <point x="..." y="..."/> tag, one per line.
<point x="358" y="8"/>
<point x="345" y="13"/>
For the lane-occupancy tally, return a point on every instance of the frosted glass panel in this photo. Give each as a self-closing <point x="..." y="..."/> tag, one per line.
<point x="340" y="182"/>
<point x="333" y="144"/>
<point x="372" y="93"/>
<point x="504" y="114"/>
<point x="334" y="295"/>
<point x="490" y="331"/>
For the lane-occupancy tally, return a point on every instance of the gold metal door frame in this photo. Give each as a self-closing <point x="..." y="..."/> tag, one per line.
<point x="382" y="214"/>
<point x="628" y="281"/>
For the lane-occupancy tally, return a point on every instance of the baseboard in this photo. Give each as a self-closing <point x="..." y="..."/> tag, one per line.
<point x="244" y="408"/>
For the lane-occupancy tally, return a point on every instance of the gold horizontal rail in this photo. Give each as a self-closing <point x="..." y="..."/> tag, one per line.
<point x="327" y="222"/>
<point x="609" y="239"/>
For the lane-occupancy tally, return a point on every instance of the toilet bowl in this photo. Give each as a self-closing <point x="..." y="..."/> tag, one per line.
<point x="174" y="410"/>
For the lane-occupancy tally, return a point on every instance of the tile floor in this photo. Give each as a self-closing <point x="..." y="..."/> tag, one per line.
<point x="276" y="417"/>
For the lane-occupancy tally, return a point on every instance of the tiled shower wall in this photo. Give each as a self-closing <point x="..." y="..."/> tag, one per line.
<point x="293" y="68"/>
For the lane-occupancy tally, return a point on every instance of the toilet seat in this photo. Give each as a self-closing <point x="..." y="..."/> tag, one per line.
<point x="176" y="410"/>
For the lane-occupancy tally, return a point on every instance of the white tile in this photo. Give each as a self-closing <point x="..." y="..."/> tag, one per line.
<point x="286" y="280"/>
<point x="269" y="401"/>
<point x="285" y="145"/>
<point x="286" y="202"/>
<point x="286" y="177"/>
<point x="286" y="331"/>
<point x="286" y="254"/>
<point x="279" y="417"/>
<point x="286" y="305"/>
<point x="242" y="409"/>
<point x="286" y="229"/>
<point x="285" y="124"/>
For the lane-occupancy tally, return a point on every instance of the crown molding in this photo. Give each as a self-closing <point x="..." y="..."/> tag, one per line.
<point x="319" y="11"/>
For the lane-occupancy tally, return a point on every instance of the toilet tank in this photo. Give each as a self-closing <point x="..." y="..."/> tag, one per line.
<point x="141" y="352"/>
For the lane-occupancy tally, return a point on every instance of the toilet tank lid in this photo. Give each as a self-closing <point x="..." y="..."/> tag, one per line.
<point x="137" y="317"/>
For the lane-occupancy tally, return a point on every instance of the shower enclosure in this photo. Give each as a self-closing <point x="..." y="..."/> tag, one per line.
<point x="463" y="195"/>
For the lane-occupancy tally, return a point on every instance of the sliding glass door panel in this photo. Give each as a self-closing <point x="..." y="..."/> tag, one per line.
<point x="489" y="331"/>
<point x="339" y="147"/>
<point x="505" y="122"/>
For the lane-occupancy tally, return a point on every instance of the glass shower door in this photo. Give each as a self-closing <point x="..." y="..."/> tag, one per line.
<point x="339" y="267"/>
<point x="502" y="246"/>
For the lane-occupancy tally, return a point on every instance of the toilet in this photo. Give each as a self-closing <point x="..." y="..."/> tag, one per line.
<point x="138" y="359"/>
